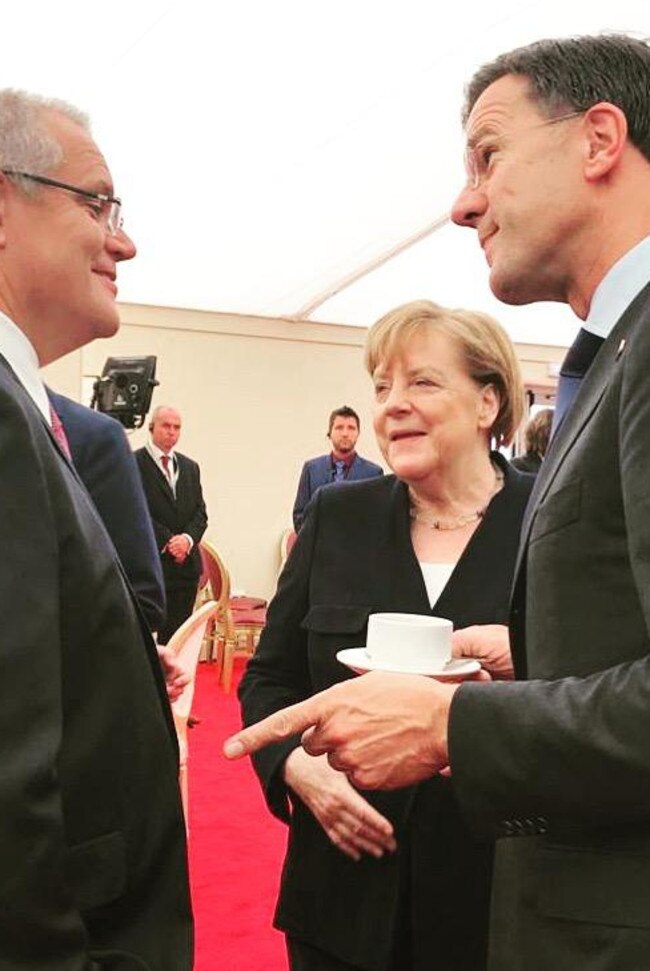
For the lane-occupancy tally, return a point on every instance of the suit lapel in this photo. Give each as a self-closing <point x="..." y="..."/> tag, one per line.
<point x="159" y="480"/>
<point x="354" y="469"/>
<point x="21" y="388"/>
<point x="323" y="472"/>
<point x="146" y="634"/>
<point x="181" y="481"/>
<point x="591" y="391"/>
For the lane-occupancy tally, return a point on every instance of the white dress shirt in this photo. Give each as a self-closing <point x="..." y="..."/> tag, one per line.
<point x="172" y="471"/>
<point x="618" y="288"/>
<point x="22" y="359"/>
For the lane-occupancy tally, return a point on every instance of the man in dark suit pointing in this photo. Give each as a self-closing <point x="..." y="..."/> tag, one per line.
<point x="558" y="192"/>
<point x="172" y="485"/>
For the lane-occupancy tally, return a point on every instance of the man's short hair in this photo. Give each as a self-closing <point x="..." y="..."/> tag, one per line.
<point x="26" y="145"/>
<point x="343" y="412"/>
<point x="156" y="413"/>
<point x="575" y="73"/>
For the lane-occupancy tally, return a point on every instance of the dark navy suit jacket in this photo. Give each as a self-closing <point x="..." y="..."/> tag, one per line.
<point x="318" y="472"/>
<point x="105" y="463"/>
<point x="92" y="837"/>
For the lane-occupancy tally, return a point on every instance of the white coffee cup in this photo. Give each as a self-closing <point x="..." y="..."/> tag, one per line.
<point x="408" y="642"/>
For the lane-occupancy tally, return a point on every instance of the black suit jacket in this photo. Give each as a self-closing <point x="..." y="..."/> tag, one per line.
<point x="354" y="557"/>
<point x="171" y="515"/>
<point x="103" y="458"/>
<point x="92" y="843"/>
<point x="567" y="752"/>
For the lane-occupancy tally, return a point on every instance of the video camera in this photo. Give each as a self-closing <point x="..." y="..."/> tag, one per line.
<point x="124" y="389"/>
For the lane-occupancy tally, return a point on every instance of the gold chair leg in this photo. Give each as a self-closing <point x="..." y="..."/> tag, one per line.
<point x="227" y="664"/>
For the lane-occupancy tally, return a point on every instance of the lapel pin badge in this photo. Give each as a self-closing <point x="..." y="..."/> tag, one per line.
<point x="621" y="348"/>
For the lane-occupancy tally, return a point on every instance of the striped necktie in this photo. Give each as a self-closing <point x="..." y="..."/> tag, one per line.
<point x="165" y="464"/>
<point x="59" y="433"/>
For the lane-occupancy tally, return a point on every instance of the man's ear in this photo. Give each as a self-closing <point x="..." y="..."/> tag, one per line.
<point x="606" y="132"/>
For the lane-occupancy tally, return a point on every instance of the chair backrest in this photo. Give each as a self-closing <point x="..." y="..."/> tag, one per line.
<point x="186" y="645"/>
<point x="288" y="538"/>
<point x="216" y="573"/>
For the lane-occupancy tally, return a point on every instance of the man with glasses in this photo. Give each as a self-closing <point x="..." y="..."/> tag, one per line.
<point x="92" y="849"/>
<point x="558" y="192"/>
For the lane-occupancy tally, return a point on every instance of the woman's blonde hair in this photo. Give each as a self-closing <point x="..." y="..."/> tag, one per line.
<point x="485" y="347"/>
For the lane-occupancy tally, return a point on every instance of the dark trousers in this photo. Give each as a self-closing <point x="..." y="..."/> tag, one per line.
<point x="180" y="602"/>
<point x="303" y="957"/>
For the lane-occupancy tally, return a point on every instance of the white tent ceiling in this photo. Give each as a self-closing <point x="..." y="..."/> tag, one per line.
<point x="268" y="151"/>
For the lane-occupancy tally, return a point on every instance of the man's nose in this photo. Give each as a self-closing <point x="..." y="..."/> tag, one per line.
<point x="121" y="246"/>
<point x="468" y="207"/>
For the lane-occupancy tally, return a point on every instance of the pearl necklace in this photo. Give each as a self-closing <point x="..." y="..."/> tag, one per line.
<point x="460" y="521"/>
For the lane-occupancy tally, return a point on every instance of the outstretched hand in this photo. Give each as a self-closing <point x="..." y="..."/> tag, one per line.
<point x="384" y="731"/>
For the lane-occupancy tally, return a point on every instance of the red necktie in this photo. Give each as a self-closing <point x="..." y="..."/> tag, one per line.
<point x="165" y="464"/>
<point x="59" y="433"/>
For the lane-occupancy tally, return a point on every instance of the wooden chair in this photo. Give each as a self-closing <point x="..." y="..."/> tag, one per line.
<point x="214" y="585"/>
<point x="239" y="622"/>
<point x="287" y="540"/>
<point x="186" y="644"/>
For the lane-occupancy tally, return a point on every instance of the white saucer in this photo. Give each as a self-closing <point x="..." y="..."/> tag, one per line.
<point x="358" y="661"/>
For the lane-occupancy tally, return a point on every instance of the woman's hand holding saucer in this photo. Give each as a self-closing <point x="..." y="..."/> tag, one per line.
<point x="489" y="644"/>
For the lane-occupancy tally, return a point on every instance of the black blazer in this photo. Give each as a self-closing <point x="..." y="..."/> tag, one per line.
<point x="354" y="557"/>
<point x="566" y="755"/>
<point x="103" y="458"/>
<point x="184" y="514"/>
<point x="92" y="843"/>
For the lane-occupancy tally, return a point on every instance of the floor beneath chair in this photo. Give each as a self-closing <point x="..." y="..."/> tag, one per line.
<point x="236" y="846"/>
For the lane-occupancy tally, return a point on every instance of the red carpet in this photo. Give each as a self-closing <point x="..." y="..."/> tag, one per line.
<point x="236" y="846"/>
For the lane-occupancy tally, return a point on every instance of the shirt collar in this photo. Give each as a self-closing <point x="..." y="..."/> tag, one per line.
<point x="347" y="459"/>
<point x="157" y="453"/>
<point x="618" y="288"/>
<point x="22" y="359"/>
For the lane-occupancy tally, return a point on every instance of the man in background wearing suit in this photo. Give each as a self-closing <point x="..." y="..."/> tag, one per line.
<point x="172" y="486"/>
<point x="558" y="762"/>
<point x="93" y="869"/>
<point x="341" y="465"/>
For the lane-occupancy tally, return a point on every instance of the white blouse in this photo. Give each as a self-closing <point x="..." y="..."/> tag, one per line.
<point x="436" y="577"/>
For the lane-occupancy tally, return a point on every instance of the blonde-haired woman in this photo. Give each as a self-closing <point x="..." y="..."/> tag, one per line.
<point x="403" y="886"/>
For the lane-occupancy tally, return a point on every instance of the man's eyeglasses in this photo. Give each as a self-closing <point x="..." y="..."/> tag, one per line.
<point x="478" y="157"/>
<point x="108" y="210"/>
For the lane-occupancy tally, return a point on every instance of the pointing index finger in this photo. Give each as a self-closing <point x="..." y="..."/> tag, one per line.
<point x="275" y="728"/>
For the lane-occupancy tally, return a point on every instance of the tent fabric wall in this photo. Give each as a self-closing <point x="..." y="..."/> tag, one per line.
<point x="267" y="151"/>
<point x="254" y="394"/>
